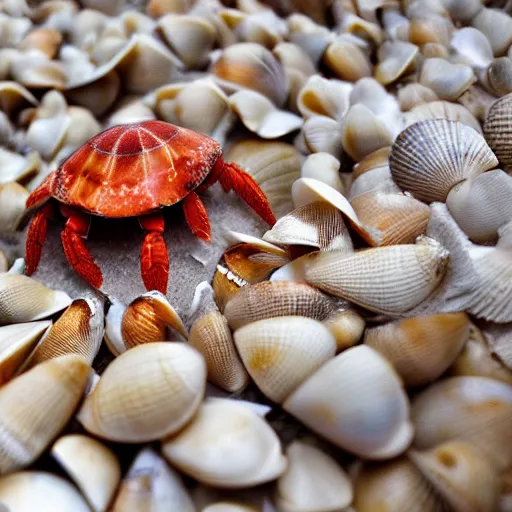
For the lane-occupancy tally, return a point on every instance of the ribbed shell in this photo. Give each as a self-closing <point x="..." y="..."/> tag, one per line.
<point x="317" y="224"/>
<point x="277" y="298"/>
<point x="389" y="279"/>
<point x="78" y="331"/>
<point x="430" y="157"/>
<point x="498" y="130"/>
<point x="35" y="408"/>
<point x="211" y="336"/>
<point x="280" y="353"/>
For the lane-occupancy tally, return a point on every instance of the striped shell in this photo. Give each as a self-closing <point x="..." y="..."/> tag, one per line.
<point x="498" y="130"/>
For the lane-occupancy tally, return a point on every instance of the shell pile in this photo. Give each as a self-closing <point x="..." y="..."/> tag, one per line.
<point x="358" y="356"/>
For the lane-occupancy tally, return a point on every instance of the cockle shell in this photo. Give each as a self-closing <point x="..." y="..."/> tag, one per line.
<point x="322" y="134"/>
<point x="390" y="279"/>
<point x="430" y="157"/>
<point x="499" y="76"/>
<point x="348" y="396"/>
<point x="146" y="393"/>
<point x="226" y="445"/>
<point x="497" y="130"/>
<point x="280" y="353"/>
<point x="23" y="299"/>
<point x="36" y="406"/>
<point x="421" y="348"/>
<point x="94" y="468"/>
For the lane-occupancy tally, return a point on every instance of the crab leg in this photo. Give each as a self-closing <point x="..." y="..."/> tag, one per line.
<point x="36" y="235"/>
<point x="154" y="260"/>
<point x="75" y="230"/>
<point x="197" y="216"/>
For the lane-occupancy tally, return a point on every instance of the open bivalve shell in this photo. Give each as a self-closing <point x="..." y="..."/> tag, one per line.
<point x="430" y="157"/>
<point x="94" y="468"/>
<point x="227" y="445"/>
<point x="331" y="402"/>
<point x="280" y="353"/>
<point x="146" y="393"/>
<point x="312" y="481"/>
<point x="26" y="426"/>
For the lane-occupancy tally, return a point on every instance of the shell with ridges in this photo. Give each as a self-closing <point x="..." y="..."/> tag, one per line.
<point x="497" y="130"/>
<point x="12" y="198"/>
<point x="347" y="327"/>
<point x="322" y="135"/>
<point x="430" y="157"/>
<point x="323" y="167"/>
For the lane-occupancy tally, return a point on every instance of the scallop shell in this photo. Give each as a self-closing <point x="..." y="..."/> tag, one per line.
<point x="421" y="348"/>
<point x="348" y="396"/>
<point x="226" y="445"/>
<point x="430" y="157"/>
<point x="146" y="393"/>
<point x="497" y="130"/>
<point x="26" y="425"/>
<point x="388" y="280"/>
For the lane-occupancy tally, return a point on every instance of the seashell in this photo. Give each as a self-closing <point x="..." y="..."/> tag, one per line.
<point x="23" y="299"/>
<point x="16" y="167"/>
<point x="434" y="73"/>
<point x="327" y="403"/>
<point x="157" y="8"/>
<point x="210" y="335"/>
<point x="47" y="40"/>
<point x="322" y="135"/>
<point x="374" y="180"/>
<point x="14" y="96"/>
<point x="259" y="115"/>
<point x="273" y="165"/>
<point x="408" y="274"/>
<point x="391" y="218"/>
<point x="263" y="27"/>
<point x="280" y="353"/>
<point x="496" y="130"/>
<point x="130" y="110"/>
<point x="442" y="110"/>
<point x="295" y="270"/>
<point x="26" y="425"/>
<point x="78" y="331"/>
<point x="312" y="481"/>
<point x="460" y="473"/>
<point x="151" y="484"/>
<point x="13" y="29"/>
<point x="414" y="95"/>
<point x="41" y="491"/>
<point x="323" y="167"/>
<point x="16" y="343"/>
<point x="316" y="224"/>
<point x="34" y="70"/>
<point x="463" y="10"/>
<point x="310" y="36"/>
<point x="92" y="466"/>
<point x="499" y="76"/>
<point x="473" y="47"/>
<point x="146" y="393"/>
<point x="249" y="65"/>
<point x="147" y="318"/>
<point x="428" y="27"/>
<point x="498" y="337"/>
<point x="394" y="486"/>
<point x="463" y="154"/>
<point x="368" y="9"/>
<point x="190" y="37"/>
<point x="12" y="198"/>
<point x="4" y="263"/>
<point x="480" y="206"/>
<point x="322" y="97"/>
<point x="347" y="327"/>
<point x="377" y="159"/>
<point x="479" y="414"/>
<point x="87" y="28"/>
<point x="225" y="506"/>
<point x="113" y="336"/>
<point x="254" y="455"/>
<point x="292" y="56"/>
<point x="347" y="60"/>
<point x="421" y="348"/>
<point x="395" y="59"/>
<point x="476" y="359"/>
<point x="497" y="27"/>
<point x="359" y="27"/>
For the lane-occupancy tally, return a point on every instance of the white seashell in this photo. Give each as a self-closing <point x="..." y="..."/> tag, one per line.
<point x="499" y="76"/>
<point x="463" y="10"/>
<point x="413" y="95"/>
<point x="295" y="270"/>
<point x="130" y="110"/>
<point x="473" y="47"/>
<point x="496" y="26"/>
<point x="13" y="96"/>
<point x="395" y="59"/>
<point x="12" y="198"/>
<point x="322" y="134"/>
<point x="33" y="69"/>
<point x="94" y="468"/>
<point x="373" y="181"/>
<point x="329" y="404"/>
<point x="311" y="37"/>
<point x="4" y="263"/>
<point x="323" y="167"/>
<point x="16" y="167"/>
<point x="226" y="445"/>
<point x="113" y="335"/>
<point x="447" y="80"/>
<point x="497" y="130"/>
<point x="294" y="57"/>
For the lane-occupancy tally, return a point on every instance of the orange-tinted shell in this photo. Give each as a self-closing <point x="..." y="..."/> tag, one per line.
<point x="132" y="169"/>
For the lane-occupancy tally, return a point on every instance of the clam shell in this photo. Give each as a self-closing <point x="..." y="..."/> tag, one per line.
<point x="13" y="198"/>
<point x="78" y="331"/>
<point x="496" y="25"/>
<point x="151" y="485"/>
<point x="280" y="353"/>
<point x="395" y="59"/>
<point x="270" y="299"/>
<point x="93" y="467"/>
<point x="435" y="71"/>
<point x="312" y="481"/>
<point x="473" y="47"/>
<point x="497" y="129"/>
<point x="388" y="280"/>
<point x="226" y="445"/>
<point x="26" y="427"/>
<point x="16" y="167"/>
<point x="41" y="491"/>
<point x="415" y="94"/>
<point x="322" y="135"/>
<point x="23" y="299"/>
<point x="331" y="402"/>
<point x="374" y="180"/>
<point x="347" y="60"/>
<point x="430" y="157"/>
<point x="499" y="76"/>
<point x="476" y="410"/>
<point x="323" y="167"/>
<point x="375" y="160"/>
<point x="13" y="96"/>
<point x="461" y="474"/>
<point x="46" y="40"/>
<point x="34" y="70"/>
<point x="421" y="348"/>
<point x="146" y="393"/>
<point x="16" y="343"/>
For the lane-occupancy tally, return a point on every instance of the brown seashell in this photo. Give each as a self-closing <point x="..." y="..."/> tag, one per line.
<point x="347" y="60"/>
<point x="13" y="198"/>
<point x="498" y="130"/>
<point x="347" y="327"/>
<point x="46" y="40"/>
<point x="415" y="94"/>
<point x="13" y="96"/>
<point x="379" y="158"/>
<point x="420" y="348"/>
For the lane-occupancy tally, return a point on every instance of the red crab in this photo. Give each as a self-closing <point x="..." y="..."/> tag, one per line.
<point x="135" y="170"/>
